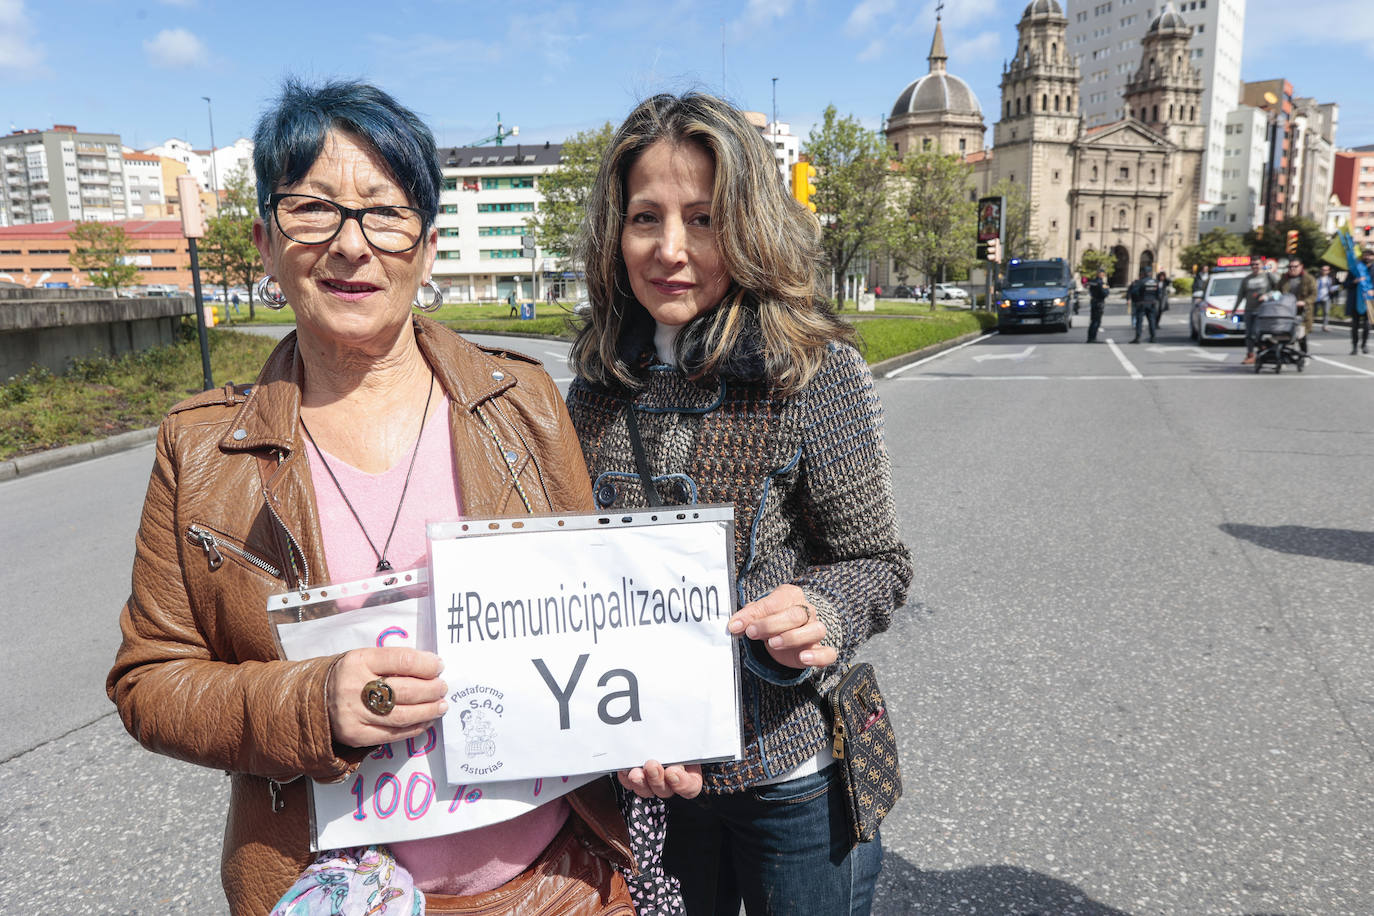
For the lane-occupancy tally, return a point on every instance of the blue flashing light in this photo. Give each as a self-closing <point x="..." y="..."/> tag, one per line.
<point x="1014" y="261"/>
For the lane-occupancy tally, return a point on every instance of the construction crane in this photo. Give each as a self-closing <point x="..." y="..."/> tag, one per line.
<point x="499" y="137"/>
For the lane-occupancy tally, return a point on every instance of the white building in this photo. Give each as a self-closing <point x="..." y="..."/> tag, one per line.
<point x="61" y="174"/>
<point x="210" y="168"/>
<point x="488" y="193"/>
<point x="1245" y="147"/>
<point x="143" y="186"/>
<point x="786" y="146"/>
<point x="1314" y="142"/>
<point x="1105" y="35"/>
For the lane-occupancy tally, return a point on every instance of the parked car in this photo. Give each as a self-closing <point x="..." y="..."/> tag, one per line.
<point x="1215" y="314"/>
<point x="946" y="291"/>
<point x="904" y="292"/>
<point x="1036" y="293"/>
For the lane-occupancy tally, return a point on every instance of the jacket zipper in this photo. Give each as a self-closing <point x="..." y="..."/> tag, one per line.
<point x="534" y="459"/>
<point x="213" y="545"/>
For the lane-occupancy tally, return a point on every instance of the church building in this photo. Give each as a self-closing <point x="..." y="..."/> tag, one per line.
<point x="1129" y="187"/>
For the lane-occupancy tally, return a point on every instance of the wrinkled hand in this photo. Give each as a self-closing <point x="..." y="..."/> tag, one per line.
<point x="414" y="679"/>
<point x="654" y="780"/>
<point x="788" y="626"/>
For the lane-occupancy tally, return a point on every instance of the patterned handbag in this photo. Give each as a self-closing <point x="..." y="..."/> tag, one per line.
<point x="866" y="750"/>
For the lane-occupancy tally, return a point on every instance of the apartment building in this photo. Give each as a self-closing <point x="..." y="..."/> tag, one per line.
<point x="209" y="167"/>
<point x="1105" y="35"/>
<point x="39" y="254"/>
<point x="1315" y="126"/>
<point x="61" y="174"/>
<point x="1246" y="146"/>
<point x="488" y="194"/>
<point x="1353" y="186"/>
<point x="143" y="186"/>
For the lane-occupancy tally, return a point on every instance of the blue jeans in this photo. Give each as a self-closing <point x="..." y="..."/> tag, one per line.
<point x="783" y="849"/>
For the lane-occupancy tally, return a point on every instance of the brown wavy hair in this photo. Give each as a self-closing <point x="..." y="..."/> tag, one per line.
<point x="771" y="324"/>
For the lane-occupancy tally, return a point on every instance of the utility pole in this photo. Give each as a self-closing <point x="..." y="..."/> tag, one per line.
<point x="214" y="178"/>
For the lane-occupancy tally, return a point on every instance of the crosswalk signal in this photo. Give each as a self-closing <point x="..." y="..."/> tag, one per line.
<point x="804" y="184"/>
<point x="1291" y="245"/>
<point x="995" y="250"/>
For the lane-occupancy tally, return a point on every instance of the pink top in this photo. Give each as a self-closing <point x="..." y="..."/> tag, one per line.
<point x="475" y="860"/>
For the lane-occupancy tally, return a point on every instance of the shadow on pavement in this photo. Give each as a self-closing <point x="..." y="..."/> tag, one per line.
<point x="1324" y="543"/>
<point x="904" y="889"/>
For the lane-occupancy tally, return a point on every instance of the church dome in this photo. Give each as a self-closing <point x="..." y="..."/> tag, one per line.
<point x="1168" y="19"/>
<point x="937" y="92"/>
<point x="1042" y="8"/>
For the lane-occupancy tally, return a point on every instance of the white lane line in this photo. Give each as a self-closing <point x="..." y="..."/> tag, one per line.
<point x="1196" y="351"/>
<point x="1016" y="356"/>
<point x="1346" y="366"/>
<point x="557" y="353"/>
<point x="921" y="362"/>
<point x="1121" y="358"/>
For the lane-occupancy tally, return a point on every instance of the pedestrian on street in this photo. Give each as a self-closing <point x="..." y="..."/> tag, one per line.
<point x="1144" y="297"/>
<point x="510" y="300"/>
<point x="1251" y="291"/>
<point x="1163" y="279"/>
<point x="365" y="423"/>
<point x="1357" y="307"/>
<point x="1302" y="286"/>
<point x="1097" y="300"/>
<point x="234" y="301"/>
<point x="1326" y="292"/>
<point x="712" y="371"/>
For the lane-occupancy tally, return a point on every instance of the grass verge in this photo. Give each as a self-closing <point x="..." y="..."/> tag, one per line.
<point x="103" y="395"/>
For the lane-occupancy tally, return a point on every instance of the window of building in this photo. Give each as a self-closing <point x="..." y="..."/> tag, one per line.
<point x="500" y="230"/>
<point x="450" y="184"/>
<point x="1121" y="218"/>
<point x="450" y="255"/>
<point x="501" y="253"/>
<point x="1094" y="178"/>
<point x="506" y="184"/>
<point x="448" y="232"/>
<point x="1149" y="221"/>
<point x="448" y="208"/>
<point x="506" y="208"/>
<point x="1055" y="174"/>
<point x="962" y="144"/>
<point x="925" y="144"/>
<point x="1092" y="220"/>
<point x="1124" y="173"/>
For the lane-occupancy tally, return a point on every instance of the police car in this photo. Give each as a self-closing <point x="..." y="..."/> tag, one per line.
<point x="1212" y="317"/>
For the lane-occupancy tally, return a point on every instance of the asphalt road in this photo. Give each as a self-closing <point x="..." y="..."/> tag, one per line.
<point x="1134" y="675"/>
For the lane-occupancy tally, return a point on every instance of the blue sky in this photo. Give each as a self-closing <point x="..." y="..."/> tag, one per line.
<point x="140" y="67"/>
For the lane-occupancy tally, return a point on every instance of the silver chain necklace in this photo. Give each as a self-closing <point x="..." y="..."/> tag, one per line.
<point x="383" y="564"/>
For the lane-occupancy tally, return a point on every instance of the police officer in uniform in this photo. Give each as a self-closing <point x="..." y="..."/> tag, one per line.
<point x="1144" y="297"/>
<point x="1097" y="298"/>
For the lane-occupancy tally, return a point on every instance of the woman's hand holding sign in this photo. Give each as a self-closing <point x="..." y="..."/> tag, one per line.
<point x="379" y="695"/>
<point x="656" y="780"/>
<point x="788" y="626"/>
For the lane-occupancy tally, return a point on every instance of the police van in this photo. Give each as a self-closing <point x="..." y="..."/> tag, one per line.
<point x="1035" y="294"/>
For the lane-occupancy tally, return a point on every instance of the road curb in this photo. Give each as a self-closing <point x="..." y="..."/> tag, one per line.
<point x="906" y="359"/>
<point x="71" y="454"/>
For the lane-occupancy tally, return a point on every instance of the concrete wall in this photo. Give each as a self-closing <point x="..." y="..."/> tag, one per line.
<point x="51" y="327"/>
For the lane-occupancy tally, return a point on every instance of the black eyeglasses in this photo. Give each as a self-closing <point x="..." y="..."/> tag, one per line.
<point x="316" y="220"/>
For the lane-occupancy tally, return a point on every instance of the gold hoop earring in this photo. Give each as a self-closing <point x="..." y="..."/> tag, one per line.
<point x="270" y="294"/>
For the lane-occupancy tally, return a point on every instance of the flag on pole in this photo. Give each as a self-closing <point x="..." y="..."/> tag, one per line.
<point x="1357" y="267"/>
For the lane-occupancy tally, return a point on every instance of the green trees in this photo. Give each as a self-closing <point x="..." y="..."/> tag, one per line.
<point x="565" y="190"/>
<point x="1017" y="240"/>
<point x="227" y="252"/>
<point x="1217" y="243"/>
<point x="104" y="251"/>
<point x="1093" y="261"/>
<point x="932" y="218"/>
<point x="852" y="169"/>
<point x="1272" y="240"/>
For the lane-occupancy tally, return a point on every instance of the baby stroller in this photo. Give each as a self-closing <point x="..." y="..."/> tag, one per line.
<point x="1277" y="332"/>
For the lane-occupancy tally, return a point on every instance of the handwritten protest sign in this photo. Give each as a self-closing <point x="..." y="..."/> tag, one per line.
<point x="400" y="792"/>
<point x="586" y="643"/>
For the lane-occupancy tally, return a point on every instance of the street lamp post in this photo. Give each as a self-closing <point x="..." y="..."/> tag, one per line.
<point x="214" y="178"/>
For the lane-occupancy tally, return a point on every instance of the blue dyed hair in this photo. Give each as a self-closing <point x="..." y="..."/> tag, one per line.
<point x="290" y="136"/>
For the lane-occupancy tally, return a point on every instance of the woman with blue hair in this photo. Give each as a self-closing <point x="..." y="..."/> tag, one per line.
<point x="363" y="425"/>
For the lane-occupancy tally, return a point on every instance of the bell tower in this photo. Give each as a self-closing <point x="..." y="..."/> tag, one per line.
<point x="1039" y="122"/>
<point x="1165" y="94"/>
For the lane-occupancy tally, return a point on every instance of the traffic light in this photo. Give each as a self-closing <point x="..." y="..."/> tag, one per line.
<point x="1291" y="245"/>
<point x="804" y="183"/>
<point x="995" y="250"/>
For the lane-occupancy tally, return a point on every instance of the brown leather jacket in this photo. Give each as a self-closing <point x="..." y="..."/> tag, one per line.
<point x="230" y="519"/>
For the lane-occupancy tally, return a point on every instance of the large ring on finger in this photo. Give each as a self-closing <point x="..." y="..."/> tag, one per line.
<point x="379" y="697"/>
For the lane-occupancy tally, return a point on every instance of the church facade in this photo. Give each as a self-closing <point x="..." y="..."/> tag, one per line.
<point x="1129" y="187"/>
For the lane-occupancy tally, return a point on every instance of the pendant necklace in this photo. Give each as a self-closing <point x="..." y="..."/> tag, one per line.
<point x="383" y="564"/>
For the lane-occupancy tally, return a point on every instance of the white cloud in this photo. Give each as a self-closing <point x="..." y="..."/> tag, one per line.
<point x="762" y="12"/>
<point x="1353" y="27"/>
<point x="19" y="53"/>
<point x="182" y="3"/>
<point x="873" y="51"/>
<point x="175" y="49"/>
<point x="974" y="52"/>
<point x="863" y="16"/>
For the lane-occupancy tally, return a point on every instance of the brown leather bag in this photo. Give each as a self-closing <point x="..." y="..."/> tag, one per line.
<point x="574" y="876"/>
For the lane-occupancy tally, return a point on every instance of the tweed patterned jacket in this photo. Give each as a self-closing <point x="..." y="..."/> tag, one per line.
<point x="811" y="484"/>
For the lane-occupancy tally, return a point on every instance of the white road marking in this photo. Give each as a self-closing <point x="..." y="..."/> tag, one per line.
<point x="1121" y="358"/>
<point x="921" y="362"/>
<point x="1016" y="356"/>
<point x="1347" y="366"/>
<point x="1231" y="376"/>
<point x="1196" y="351"/>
